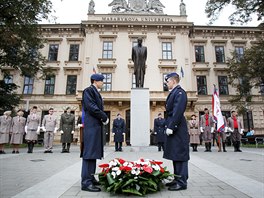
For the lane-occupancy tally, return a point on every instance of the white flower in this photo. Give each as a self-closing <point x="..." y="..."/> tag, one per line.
<point x="135" y="171"/>
<point x="113" y="174"/>
<point x="156" y="167"/>
<point x="115" y="169"/>
<point x="112" y="163"/>
<point x="118" y="172"/>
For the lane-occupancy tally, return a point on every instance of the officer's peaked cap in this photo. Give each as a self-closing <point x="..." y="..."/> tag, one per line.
<point x="171" y="75"/>
<point x="97" y="77"/>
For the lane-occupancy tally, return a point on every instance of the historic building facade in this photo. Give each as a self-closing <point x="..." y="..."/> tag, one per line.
<point x="103" y="43"/>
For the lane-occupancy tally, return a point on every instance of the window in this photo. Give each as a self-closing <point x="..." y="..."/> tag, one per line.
<point x="134" y="43"/>
<point x="108" y="50"/>
<point x="74" y="52"/>
<point x="165" y="86"/>
<point x="53" y="52"/>
<point x="201" y="85"/>
<point x="166" y="50"/>
<point x="49" y="85"/>
<point x="219" y="54"/>
<point x="248" y="120"/>
<point x="28" y="85"/>
<point x="133" y="81"/>
<point x="239" y="51"/>
<point x="107" y="82"/>
<point x="223" y="85"/>
<point x="199" y="54"/>
<point x="261" y="86"/>
<point x="71" y="85"/>
<point x="8" y="79"/>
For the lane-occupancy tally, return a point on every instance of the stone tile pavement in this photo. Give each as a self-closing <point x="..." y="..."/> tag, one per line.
<point x="215" y="174"/>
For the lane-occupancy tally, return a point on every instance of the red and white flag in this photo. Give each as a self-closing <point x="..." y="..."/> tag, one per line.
<point x="94" y="71"/>
<point x="217" y="113"/>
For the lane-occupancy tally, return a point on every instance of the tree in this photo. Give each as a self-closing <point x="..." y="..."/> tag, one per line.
<point x="8" y="97"/>
<point x="246" y="73"/>
<point x="244" y="10"/>
<point x="20" y="40"/>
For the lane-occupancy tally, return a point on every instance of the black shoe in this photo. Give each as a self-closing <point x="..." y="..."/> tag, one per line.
<point x="238" y="150"/>
<point x="50" y="151"/>
<point x="91" y="188"/>
<point x="171" y="183"/>
<point x="225" y="151"/>
<point x="17" y="151"/>
<point x="177" y="188"/>
<point x="46" y="151"/>
<point x="13" y="152"/>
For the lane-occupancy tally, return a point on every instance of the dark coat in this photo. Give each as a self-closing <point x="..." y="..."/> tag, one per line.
<point x="93" y="123"/>
<point x="159" y="128"/>
<point x="67" y="125"/>
<point x="177" y="144"/>
<point x="139" y="57"/>
<point x="119" y="127"/>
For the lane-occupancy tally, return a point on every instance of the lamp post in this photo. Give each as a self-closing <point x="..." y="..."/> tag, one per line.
<point x="248" y="123"/>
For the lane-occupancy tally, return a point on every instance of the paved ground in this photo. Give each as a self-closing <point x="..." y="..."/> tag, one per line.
<point x="215" y="174"/>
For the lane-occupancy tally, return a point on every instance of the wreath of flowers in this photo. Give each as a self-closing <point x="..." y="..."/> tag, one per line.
<point x="137" y="178"/>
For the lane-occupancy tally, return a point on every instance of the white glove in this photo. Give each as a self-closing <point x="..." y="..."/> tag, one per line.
<point x="44" y="129"/>
<point x="80" y="125"/>
<point x="212" y="129"/>
<point x="113" y="133"/>
<point x="72" y="132"/>
<point x="201" y="129"/>
<point x="169" y="131"/>
<point x="26" y="129"/>
<point x="55" y="130"/>
<point x="230" y="130"/>
<point x="241" y="131"/>
<point x="226" y="129"/>
<point x="155" y="133"/>
<point x="106" y="122"/>
<point x="38" y="130"/>
<point x="124" y="133"/>
<point x="61" y="132"/>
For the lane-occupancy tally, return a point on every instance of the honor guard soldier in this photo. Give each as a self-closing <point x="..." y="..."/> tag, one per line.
<point x="5" y="129"/>
<point x="49" y="126"/>
<point x="118" y="130"/>
<point x="159" y="131"/>
<point x="193" y="126"/>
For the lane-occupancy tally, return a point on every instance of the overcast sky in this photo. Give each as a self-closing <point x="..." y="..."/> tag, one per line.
<point x="74" y="11"/>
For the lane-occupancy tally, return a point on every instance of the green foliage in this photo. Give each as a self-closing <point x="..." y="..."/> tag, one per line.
<point x="8" y="98"/>
<point x="20" y="38"/>
<point x="244" y="9"/>
<point x="246" y="74"/>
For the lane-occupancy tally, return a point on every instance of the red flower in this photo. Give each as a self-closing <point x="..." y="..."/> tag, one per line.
<point x="148" y="169"/>
<point x="125" y="168"/>
<point x="121" y="161"/>
<point x="104" y="165"/>
<point x="162" y="170"/>
<point x="158" y="162"/>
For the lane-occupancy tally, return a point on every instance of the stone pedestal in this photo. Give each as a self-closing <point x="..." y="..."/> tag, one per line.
<point x="139" y="117"/>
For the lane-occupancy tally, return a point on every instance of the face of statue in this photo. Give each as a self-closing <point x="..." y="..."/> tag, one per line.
<point x="139" y="41"/>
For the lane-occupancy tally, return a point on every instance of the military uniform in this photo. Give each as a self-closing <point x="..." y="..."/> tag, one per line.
<point x="118" y="130"/>
<point x="207" y="128"/>
<point x="5" y="129"/>
<point x="194" y="132"/>
<point x="18" y="130"/>
<point x="159" y="130"/>
<point x="236" y="130"/>
<point x="221" y="137"/>
<point x="177" y="144"/>
<point x="67" y="125"/>
<point x="49" y="122"/>
<point x="32" y="130"/>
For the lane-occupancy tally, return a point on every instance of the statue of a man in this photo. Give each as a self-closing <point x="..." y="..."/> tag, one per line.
<point x="182" y="8"/>
<point x="139" y="57"/>
<point x="91" y="7"/>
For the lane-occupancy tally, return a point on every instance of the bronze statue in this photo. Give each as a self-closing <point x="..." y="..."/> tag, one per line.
<point x="139" y="56"/>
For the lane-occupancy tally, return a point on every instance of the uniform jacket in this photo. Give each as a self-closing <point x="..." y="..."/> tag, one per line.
<point x="177" y="144"/>
<point x="93" y="106"/>
<point x="139" y="56"/>
<point x="33" y="122"/>
<point x="119" y="127"/>
<point x="49" y="122"/>
<point x="203" y="122"/>
<point x="67" y="125"/>
<point x="18" y="125"/>
<point x="230" y="123"/>
<point x="159" y="128"/>
<point x="5" y="124"/>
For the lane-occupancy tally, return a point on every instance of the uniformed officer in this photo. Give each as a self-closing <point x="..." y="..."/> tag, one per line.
<point x="207" y="128"/>
<point x="49" y="126"/>
<point x="32" y="128"/>
<point x="221" y="137"/>
<point x="18" y="130"/>
<point x="118" y="130"/>
<point x="94" y="119"/>
<point x="177" y="139"/>
<point x="67" y="128"/>
<point x="5" y="129"/>
<point x="193" y="126"/>
<point x="235" y="126"/>
<point x="159" y="131"/>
